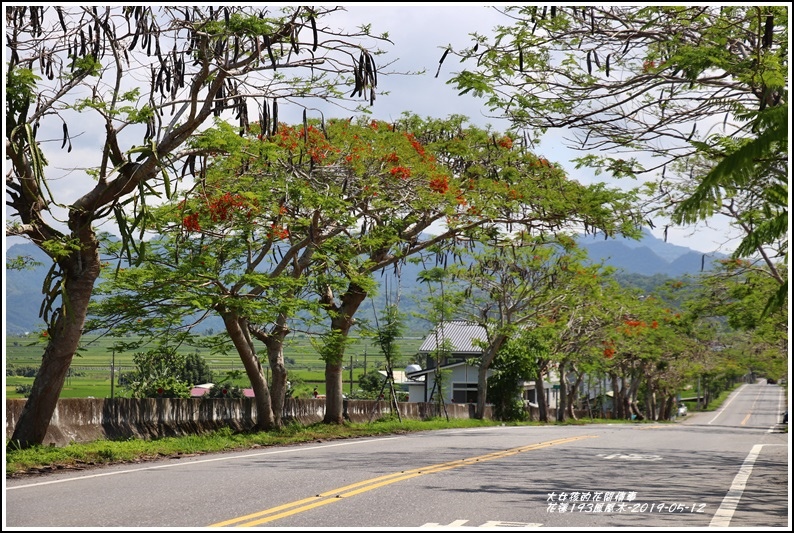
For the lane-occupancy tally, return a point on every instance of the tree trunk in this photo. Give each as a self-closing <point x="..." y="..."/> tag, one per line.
<point x="274" y="342"/>
<point x="482" y="374"/>
<point x="617" y="398"/>
<point x="573" y="395"/>
<point x="562" y="405"/>
<point x="278" y="384"/>
<point x="540" y="394"/>
<point x="632" y="407"/>
<point x="334" y="400"/>
<point x="341" y="322"/>
<point x="482" y="388"/>
<point x="80" y="271"/>
<point x="238" y="332"/>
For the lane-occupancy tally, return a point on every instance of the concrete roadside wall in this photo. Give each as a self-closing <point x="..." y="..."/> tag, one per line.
<point x="86" y="420"/>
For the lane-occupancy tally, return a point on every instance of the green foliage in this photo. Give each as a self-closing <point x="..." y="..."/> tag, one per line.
<point x="24" y="390"/>
<point x="19" y="91"/>
<point x="390" y="328"/>
<point x="87" y="65"/>
<point x="371" y="383"/>
<point x="225" y="390"/>
<point x="196" y="370"/>
<point x="157" y="375"/>
<point x="515" y="363"/>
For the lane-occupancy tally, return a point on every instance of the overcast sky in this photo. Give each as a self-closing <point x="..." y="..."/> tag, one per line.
<point x="420" y="33"/>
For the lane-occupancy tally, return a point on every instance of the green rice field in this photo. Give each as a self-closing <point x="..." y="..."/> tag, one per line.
<point x="90" y="372"/>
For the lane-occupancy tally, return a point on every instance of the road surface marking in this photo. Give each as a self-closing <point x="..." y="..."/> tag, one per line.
<point x="722" y="518"/>
<point x="335" y="495"/>
<point x="722" y="410"/>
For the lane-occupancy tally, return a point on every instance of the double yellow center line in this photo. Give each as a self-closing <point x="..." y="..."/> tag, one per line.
<point x="299" y="506"/>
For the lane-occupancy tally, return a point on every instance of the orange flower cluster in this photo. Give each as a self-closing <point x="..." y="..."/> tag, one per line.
<point x="609" y="349"/>
<point x="506" y="143"/>
<point x="278" y="232"/>
<point x="439" y="184"/>
<point x="416" y="144"/>
<point x="391" y="158"/>
<point x="191" y="223"/>
<point x="401" y="172"/>
<point x="222" y="207"/>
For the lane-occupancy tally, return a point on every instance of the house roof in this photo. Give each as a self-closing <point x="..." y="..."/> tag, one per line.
<point x="399" y="376"/>
<point x="460" y="335"/>
<point x="413" y="376"/>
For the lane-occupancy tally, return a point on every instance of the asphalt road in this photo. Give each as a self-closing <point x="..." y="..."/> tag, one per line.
<point x="727" y="468"/>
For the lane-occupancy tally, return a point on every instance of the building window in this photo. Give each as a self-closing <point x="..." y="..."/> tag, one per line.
<point x="464" y="392"/>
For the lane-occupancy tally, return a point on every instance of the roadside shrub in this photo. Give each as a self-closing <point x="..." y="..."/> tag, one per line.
<point x="224" y="390"/>
<point x="24" y="389"/>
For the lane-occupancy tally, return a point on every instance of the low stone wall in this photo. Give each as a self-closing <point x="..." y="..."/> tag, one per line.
<point x="86" y="420"/>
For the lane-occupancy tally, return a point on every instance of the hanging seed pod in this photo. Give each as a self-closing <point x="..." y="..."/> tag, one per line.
<point x="361" y="61"/>
<point x="265" y="126"/>
<point x="314" y="32"/>
<point x="553" y="11"/>
<point x="372" y="73"/>
<point x="607" y="65"/>
<point x="270" y="51"/>
<point x="305" y="128"/>
<point x="520" y="60"/>
<point x="275" y="116"/>
<point x="589" y="64"/>
<point x="769" y="28"/>
<point x="134" y="40"/>
<point x="357" y="80"/>
<point x="65" y="135"/>
<point x="293" y="40"/>
<point x="59" y="10"/>
<point x="440" y="61"/>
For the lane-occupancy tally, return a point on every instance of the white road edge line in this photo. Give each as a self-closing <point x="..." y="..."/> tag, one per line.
<point x="722" y="518"/>
<point x="722" y="410"/>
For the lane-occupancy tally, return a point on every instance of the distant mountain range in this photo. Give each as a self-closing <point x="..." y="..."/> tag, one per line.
<point x="648" y="256"/>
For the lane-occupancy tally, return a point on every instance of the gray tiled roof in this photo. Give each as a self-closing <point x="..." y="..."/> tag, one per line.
<point x="459" y="333"/>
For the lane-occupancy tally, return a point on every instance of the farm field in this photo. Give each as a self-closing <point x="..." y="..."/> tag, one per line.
<point x="90" y="372"/>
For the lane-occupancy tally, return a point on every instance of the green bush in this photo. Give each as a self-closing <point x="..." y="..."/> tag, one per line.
<point x="24" y="389"/>
<point x="225" y="390"/>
